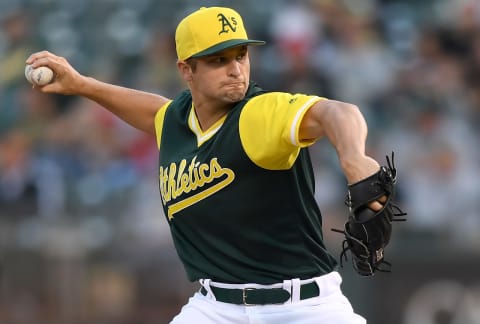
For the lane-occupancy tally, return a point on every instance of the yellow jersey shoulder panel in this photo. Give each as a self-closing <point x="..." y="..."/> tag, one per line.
<point x="269" y="126"/>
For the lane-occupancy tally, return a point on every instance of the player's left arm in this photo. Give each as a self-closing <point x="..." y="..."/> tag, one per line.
<point x="346" y="129"/>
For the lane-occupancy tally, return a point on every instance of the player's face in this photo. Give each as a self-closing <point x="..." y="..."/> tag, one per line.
<point x="222" y="76"/>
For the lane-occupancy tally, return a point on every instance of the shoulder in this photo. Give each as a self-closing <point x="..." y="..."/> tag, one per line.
<point x="283" y="106"/>
<point x="179" y="107"/>
<point x="184" y="98"/>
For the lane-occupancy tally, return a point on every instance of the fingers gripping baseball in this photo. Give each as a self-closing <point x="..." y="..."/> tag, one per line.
<point x="65" y="79"/>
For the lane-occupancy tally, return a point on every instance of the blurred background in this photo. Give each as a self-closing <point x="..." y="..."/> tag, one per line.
<point x="82" y="235"/>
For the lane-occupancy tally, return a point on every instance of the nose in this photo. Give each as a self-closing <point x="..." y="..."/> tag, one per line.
<point x="234" y="68"/>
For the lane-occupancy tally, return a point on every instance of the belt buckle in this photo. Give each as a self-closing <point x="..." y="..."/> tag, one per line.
<point x="244" y="296"/>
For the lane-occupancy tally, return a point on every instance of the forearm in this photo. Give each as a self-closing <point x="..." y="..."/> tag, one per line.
<point x="346" y="130"/>
<point x="137" y="108"/>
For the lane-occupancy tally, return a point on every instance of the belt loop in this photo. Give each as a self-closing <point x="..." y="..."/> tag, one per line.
<point x="323" y="286"/>
<point x="287" y="285"/>
<point x="295" y="290"/>
<point x="206" y="284"/>
<point x="329" y="283"/>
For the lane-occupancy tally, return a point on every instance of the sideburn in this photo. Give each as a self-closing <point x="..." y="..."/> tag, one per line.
<point x="192" y="62"/>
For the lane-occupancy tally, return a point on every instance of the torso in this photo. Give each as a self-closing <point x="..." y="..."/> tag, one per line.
<point x="235" y="215"/>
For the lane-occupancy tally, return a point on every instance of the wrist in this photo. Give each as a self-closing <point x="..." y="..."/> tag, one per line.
<point x="358" y="167"/>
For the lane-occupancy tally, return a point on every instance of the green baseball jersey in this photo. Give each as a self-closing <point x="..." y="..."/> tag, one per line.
<point x="239" y="197"/>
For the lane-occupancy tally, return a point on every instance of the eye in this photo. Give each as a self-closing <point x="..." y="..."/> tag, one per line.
<point x="241" y="56"/>
<point x="217" y="60"/>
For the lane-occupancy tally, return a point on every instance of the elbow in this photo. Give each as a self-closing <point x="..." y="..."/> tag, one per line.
<point x="354" y="117"/>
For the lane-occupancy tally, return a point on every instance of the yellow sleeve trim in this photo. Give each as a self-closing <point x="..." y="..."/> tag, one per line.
<point x="297" y="120"/>
<point x="159" y="118"/>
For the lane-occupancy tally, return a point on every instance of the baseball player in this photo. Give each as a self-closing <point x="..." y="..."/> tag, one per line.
<point x="236" y="180"/>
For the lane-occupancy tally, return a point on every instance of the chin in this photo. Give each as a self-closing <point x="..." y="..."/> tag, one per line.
<point x="235" y="97"/>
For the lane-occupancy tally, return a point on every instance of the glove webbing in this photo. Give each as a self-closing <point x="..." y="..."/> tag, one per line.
<point x="368" y="270"/>
<point x="383" y="265"/>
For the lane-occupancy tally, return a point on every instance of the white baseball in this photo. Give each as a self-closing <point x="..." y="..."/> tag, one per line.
<point x="40" y="76"/>
<point x="28" y="71"/>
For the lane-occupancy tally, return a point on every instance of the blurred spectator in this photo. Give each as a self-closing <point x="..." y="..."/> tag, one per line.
<point x="15" y="45"/>
<point x="17" y="185"/>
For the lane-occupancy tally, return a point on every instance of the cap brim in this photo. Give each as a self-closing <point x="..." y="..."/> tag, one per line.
<point x="227" y="44"/>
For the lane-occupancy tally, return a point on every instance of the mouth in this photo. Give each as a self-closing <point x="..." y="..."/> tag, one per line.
<point x="235" y="85"/>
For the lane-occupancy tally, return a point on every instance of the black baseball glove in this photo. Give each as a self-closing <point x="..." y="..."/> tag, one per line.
<point x="368" y="232"/>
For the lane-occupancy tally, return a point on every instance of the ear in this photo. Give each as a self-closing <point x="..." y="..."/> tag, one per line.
<point x="185" y="70"/>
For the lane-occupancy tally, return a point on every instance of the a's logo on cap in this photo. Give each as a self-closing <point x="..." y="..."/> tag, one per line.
<point x="227" y="24"/>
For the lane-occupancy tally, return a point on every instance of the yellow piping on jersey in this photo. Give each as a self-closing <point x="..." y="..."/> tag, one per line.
<point x="159" y="118"/>
<point x="296" y="121"/>
<point x="194" y="125"/>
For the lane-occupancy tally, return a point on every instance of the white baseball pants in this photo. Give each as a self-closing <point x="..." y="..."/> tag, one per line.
<point x="330" y="307"/>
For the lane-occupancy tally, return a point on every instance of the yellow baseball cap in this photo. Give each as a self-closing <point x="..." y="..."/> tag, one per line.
<point x="210" y="30"/>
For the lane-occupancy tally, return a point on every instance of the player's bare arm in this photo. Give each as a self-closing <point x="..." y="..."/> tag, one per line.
<point x="138" y="108"/>
<point x="345" y="127"/>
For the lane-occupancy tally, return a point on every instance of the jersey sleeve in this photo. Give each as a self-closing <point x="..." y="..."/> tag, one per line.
<point x="159" y="118"/>
<point x="269" y="126"/>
